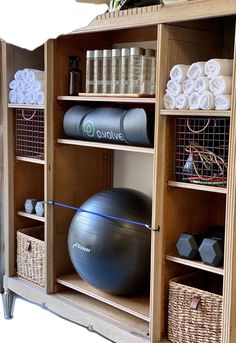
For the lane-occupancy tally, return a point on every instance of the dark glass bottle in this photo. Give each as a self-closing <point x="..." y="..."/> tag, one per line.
<point x="75" y="75"/>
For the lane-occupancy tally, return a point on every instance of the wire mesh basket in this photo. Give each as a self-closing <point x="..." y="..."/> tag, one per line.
<point x="29" y="130"/>
<point x="201" y="150"/>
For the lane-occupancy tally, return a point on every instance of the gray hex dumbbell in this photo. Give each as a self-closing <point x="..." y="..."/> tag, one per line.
<point x="39" y="208"/>
<point x="30" y="205"/>
<point x="187" y="245"/>
<point x="212" y="251"/>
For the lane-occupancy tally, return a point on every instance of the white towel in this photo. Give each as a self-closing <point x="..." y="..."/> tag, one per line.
<point x="221" y="85"/>
<point x="182" y="102"/>
<point x="13" y="84"/>
<point x="27" y="86"/>
<point x="13" y="96"/>
<point x="173" y="87"/>
<point x="40" y="98"/>
<point x="194" y="101"/>
<point x="207" y="101"/>
<point x="20" y="97"/>
<point x="188" y="86"/>
<point x="37" y="85"/>
<point x="18" y="75"/>
<point x="217" y="66"/>
<point x="169" y="102"/>
<point x="196" y="70"/>
<point x="32" y="97"/>
<point x="179" y="72"/>
<point x="201" y="84"/>
<point x="35" y="74"/>
<point x="223" y="102"/>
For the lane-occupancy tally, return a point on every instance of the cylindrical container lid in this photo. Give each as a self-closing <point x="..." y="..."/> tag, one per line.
<point x="106" y="53"/>
<point x="150" y="52"/>
<point x="136" y="51"/>
<point x="125" y="52"/>
<point x="90" y="54"/>
<point x="115" y="52"/>
<point x="97" y="53"/>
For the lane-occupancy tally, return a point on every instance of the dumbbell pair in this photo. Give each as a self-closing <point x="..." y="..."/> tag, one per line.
<point x="34" y="206"/>
<point x="209" y="249"/>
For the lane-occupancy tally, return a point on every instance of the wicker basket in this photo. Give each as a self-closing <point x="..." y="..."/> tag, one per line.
<point x="195" y="314"/>
<point x="31" y="254"/>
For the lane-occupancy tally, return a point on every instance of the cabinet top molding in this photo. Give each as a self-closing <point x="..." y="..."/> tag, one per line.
<point x="151" y="15"/>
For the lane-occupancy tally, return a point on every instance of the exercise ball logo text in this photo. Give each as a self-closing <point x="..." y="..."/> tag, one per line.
<point x="88" y="128"/>
<point x="81" y="247"/>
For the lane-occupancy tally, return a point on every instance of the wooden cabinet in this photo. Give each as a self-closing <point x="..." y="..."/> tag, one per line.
<point x="73" y="170"/>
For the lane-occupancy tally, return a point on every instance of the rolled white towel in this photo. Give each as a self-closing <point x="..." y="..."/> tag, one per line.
<point x="40" y="98"/>
<point x="179" y="72"/>
<point x="207" y="101"/>
<point x="18" y="75"/>
<point x="169" y="102"/>
<point x="20" y="97"/>
<point x="182" y="102"/>
<point x="221" y="85"/>
<point x="13" y="96"/>
<point x="27" y="86"/>
<point x="194" y="101"/>
<point x="188" y="86"/>
<point x="196" y="70"/>
<point x="26" y="99"/>
<point x="223" y="102"/>
<point x="13" y="84"/>
<point x="37" y="85"/>
<point x="173" y="87"/>
<point x="32" y="97"/>
<point x="35" y="74"/>
<point x="217" y="66"/>
<point x="201" y="84"/>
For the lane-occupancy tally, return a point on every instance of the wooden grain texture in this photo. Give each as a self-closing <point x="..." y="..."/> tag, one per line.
<point x="2" y="260"/>
<point x="108" y="98"/>
<point x="138" y="306"/>
<point x="229" y="289"/>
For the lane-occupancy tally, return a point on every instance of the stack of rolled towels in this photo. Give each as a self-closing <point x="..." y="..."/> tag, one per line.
<point x="27" y="87"/>
<point x="201" y="85"/>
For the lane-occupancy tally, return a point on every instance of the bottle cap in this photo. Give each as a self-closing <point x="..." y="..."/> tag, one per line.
<point x="125" y="52"/>
<point x="106" y="53"/>
<point x="90" y="54"/>
<point x="97" y="53"/>
<point x="115" y="52"/>
<point x="136" y="51"/>
<point x="150" y="52"/>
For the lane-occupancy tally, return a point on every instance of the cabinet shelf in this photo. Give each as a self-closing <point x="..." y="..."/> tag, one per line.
<point x="29" y="107"/>
<point x="138" y="306"/>
<point x="30" y="160"/>
<point x="111" y="98"/>
<point x="195" y="264"/>
<point x="196" y="113"/>
<point x="186" y="185"/>
<point x="31" y="216"/>
<point x="106" y="146"/>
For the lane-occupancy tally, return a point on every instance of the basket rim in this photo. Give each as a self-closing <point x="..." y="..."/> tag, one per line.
<point x="175" y="280"/>
<point x="21" y="233"/>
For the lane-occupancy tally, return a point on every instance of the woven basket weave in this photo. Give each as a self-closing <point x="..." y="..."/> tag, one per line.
<point x="31" y="254"/>
<point x="194" y="314"/>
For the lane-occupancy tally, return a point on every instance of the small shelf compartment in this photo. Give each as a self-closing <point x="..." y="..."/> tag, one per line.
<point x="195" y="264"/>
<point x="31" y="216"/>
<point x="138" y="306"/>
<point x="106" y="146"/>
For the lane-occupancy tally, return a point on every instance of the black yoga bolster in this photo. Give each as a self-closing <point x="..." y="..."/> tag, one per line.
<point x="105" y="124"/>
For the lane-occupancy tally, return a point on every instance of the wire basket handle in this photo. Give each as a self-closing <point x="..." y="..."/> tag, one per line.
<point x="31" y="117"/>
<point x="199" y="131"/>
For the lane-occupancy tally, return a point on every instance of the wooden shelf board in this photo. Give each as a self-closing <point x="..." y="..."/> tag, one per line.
<point x="110" y="98"/>
<point x="195" y="113"/>
<point x="106" y="146"/>
<point x="137" y="306"/>
<point x="29" y="107"/>
<point x="109" y="313"/>
<point x="31" y="216"/>
<point x="30" y="160"/>
<point x="195" y="264"/>
<point x="197" y="187"/>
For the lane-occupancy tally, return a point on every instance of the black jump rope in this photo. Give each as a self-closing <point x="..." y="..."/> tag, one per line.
<point x="147" y="226"/>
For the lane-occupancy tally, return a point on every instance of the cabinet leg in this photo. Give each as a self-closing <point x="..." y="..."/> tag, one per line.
<point x="8" y="303"/>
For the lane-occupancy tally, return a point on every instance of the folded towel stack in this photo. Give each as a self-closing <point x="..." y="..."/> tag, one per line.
<point x="202" y="85"/>
<point x="27" y="87"/>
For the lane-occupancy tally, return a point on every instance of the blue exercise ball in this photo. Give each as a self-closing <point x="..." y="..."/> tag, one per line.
<point x="109" y="254"/>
